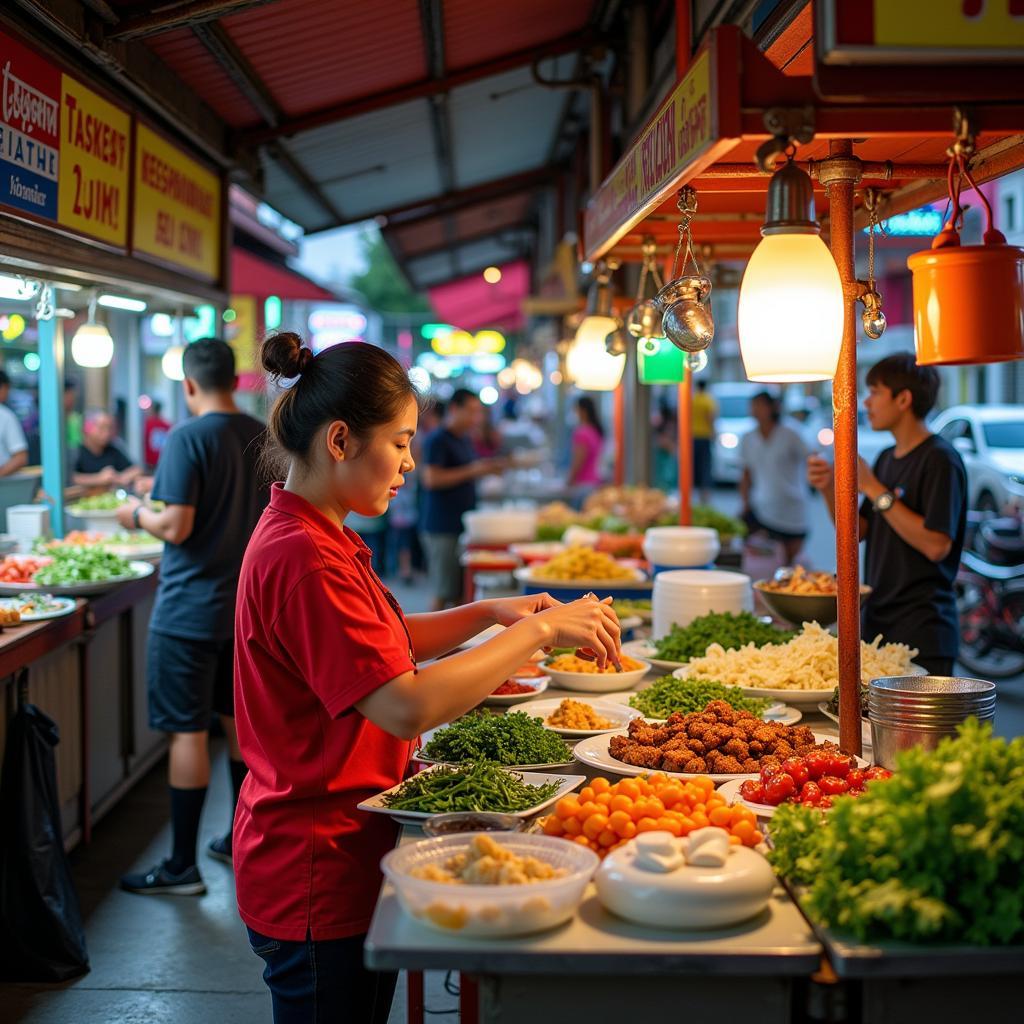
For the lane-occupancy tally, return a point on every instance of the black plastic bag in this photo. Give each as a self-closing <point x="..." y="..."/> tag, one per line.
<point x="41" y="933"/>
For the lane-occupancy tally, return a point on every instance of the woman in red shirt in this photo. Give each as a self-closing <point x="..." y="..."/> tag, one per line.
<point x="329" y="699"/>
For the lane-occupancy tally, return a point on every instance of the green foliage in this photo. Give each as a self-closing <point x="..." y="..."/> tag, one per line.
<point x="934" y="854"/>
<point x="512" y="739"/>
<point x="682" y="643"/>
<point x="382" y="284"/>
<point x="477" y="787"/>
<point x="81" y="565"/>
<point x="670" y="694"/>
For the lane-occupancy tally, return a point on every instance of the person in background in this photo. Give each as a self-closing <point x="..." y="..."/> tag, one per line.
<point x="13" y="443"/>
<point x="154" y="434"/>
<point x="334" y="683"/>
<point x="74" y="425"/>
<point x="703" y="413"/>
<point x="772" y="488"/>
<point x="450" y="473"/>
<point x="431" y="417"/>
<point x="210" y="481"/>
<point x="666" y="444"/>
<point x="488" y="440"/>
<point x="587" y="446"/>
<point x="100" y="462"/>
<point x="913" y="516"/>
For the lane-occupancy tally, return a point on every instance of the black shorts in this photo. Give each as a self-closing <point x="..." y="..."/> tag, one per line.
<point x="188" y="681"/>
<point x="701" y="462"/>
<point x="754" y="525"/>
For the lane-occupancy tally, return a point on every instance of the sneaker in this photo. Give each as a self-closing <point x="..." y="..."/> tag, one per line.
<point x="220" y="849"/>
<point x="160" y="881"/>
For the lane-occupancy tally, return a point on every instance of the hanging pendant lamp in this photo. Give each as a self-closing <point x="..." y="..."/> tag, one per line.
<point x="92" y="347"/>
<point x="791" y="307"/>
<point x="968" y="299"/>
<point x="590" y="366"/>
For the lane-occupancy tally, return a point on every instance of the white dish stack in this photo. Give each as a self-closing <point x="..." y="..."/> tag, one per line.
<point x="681" y="547"/>
<point x="682" y="595"/>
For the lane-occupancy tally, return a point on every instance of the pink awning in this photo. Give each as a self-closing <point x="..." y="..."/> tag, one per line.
<point x="471" y="303"/>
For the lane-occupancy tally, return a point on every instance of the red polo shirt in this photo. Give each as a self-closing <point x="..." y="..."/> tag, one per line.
<point x="315" y="632"/>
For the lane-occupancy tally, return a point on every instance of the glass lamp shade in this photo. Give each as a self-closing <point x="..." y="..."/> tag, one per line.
<point x="172" y="363"/>
<point x="790" y="318"/>
<point x="92" y="346"/>
<point x="660" y="362"/>
<point x="589" y="365"/>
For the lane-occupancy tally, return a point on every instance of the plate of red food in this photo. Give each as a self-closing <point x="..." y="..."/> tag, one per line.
<point x="517" y="690"/>
<point x="813" y="780"/>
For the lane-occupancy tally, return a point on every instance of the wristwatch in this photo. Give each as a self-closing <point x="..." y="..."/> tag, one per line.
<point x="135" y="515"/>
<point x="884" y="501"/>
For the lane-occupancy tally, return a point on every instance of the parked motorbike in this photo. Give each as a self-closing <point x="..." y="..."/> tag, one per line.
<point x="990" y="598"/>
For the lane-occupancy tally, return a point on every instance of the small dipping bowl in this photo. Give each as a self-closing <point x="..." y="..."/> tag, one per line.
<point x="458" y="822"/>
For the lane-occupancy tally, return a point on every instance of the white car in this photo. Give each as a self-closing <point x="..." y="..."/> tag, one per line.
<point x="733" y="421"/>
<point x="990" y="440"/>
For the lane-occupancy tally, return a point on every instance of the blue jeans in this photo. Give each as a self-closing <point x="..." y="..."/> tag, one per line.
<point x="323" y="982"/>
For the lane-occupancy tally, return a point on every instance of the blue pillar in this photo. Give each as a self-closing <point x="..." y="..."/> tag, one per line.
<point x="51" y="413"/>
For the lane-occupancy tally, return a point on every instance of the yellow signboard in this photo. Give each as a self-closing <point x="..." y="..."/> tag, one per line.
<point x="93" y="169"/>
<point x="177" y="207"/>
<point x="948" y="23"/>
<point x="678" y="134"/>
<point x="241" y="333"/>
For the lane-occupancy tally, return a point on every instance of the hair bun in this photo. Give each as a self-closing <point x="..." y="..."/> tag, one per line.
<point x="284" y="355"/>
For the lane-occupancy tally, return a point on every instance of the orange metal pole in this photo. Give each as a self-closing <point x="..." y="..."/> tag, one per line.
<point x="685" y="425"/>
<point x="844" y="405"/>
<point x="619" y="418"/>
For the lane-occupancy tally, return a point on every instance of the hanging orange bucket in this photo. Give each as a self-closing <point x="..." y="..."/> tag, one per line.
<point x="968" y="299"/>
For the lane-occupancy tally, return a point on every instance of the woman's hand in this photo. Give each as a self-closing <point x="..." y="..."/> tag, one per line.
<point x="587" y="622"/>
<point x="820" y="474"/>
<point x="507" y="611"/>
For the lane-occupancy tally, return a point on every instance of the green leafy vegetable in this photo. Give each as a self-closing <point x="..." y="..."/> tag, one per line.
<point x="97" y="503"/>
<point x="934" y="854"/>
<point x="512" y="739"/>
<point x="731" y="631"/>
<point x="81" y="565"/>
<point x="833" y="704"/>
<point x="670" y="694"/>
<point x="624" y="607"/>
<point x="727" y="526"/>
<point x="477" y="787"/>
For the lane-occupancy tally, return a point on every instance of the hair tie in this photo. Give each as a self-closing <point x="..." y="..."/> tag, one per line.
<point x="306" y="356"/>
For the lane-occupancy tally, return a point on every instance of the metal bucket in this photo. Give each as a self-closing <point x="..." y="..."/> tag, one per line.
<point x="918" y="711"/>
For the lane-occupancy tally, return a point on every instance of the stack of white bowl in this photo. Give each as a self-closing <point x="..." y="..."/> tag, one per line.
<point x="682" y="595"/>
<point x="681" y="547"/>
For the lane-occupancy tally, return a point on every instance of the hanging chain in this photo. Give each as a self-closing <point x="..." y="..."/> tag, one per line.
<point x="687" y="206"/>
<point x="649" y="268"/>
<point x="872" y="200"/>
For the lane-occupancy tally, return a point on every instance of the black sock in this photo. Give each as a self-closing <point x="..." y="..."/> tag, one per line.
<point x="186" y="808"/>
<point x="238" y="774"/>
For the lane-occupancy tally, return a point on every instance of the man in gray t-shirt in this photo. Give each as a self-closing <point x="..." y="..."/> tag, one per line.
<point x="773" y="487"/>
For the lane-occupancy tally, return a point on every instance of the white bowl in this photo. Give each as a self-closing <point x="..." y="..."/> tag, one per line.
<point x="681" y="545"/>
<point x="595" y="682"/>
<point x="682" y="595"/>
<point x="500" y="526"/>
<point x="688" y="897"/>
<point x="491" y="910"/>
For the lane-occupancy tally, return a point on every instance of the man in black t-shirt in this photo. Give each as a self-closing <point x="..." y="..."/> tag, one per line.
<point x="209" y="479"/>
<point x="913" y="516"/>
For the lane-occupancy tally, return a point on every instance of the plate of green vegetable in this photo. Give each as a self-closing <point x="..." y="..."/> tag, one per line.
<point x="670" y="694"/>
<point x="81" y="571"/>
<point x="483" y="786"/>
<point x="514" y="740"/>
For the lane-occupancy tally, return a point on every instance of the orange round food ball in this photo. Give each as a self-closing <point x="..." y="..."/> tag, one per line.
<point x="572" y="826"/>
<point x="552" y="826"/>
<point x="600" y="785"/>
<point x="647" y="825"/>
<point x="720" y="816"/>
<point x="567" y="807"/>
<point x="595" y="825"/>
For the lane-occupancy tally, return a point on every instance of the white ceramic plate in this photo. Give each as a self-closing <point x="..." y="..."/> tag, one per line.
<point x="99" y="513"/>
<point x="64" y="606"/>
<point x="504" y="700"/>
<point x="595" y="682"/>
<point x="527" y="575"/>
<point x="619" y="715"/>
<point x="139" y="571"/>
<point x="594" y="753"/>
<point x="645" y="650"/>
<point x="865" y="725"/>
<point x="537" y="551"/>
<point x="566" y="784"/>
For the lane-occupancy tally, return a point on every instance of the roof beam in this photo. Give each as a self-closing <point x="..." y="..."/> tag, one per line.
<point x="498" y="233"/>
<point x="178" y="16"/>
<point x="238" y="68"/>
<point x="463" y="275"/>
<point x="421" y="89"/>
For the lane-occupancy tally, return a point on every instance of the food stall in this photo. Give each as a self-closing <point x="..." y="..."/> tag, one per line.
<point x="100" y="192"/>
<point x="871" y="920"/>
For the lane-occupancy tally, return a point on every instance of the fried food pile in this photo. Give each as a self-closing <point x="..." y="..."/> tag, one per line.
<point x="718" y="739"/>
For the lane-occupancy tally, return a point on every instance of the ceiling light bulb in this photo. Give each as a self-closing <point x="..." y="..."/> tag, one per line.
<point x="588" y="363"/>
<point x="92" y="346"/>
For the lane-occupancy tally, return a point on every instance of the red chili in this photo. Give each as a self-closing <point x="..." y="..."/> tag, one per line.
<point x="511" y="687"/>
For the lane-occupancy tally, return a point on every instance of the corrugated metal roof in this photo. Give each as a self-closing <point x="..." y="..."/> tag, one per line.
<point x="475" y="31"/>
<point x="312" y="53"/>
<point x="497" y="214"/>
<point x="182" y="51"/>
<point x="503" y="125"/>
